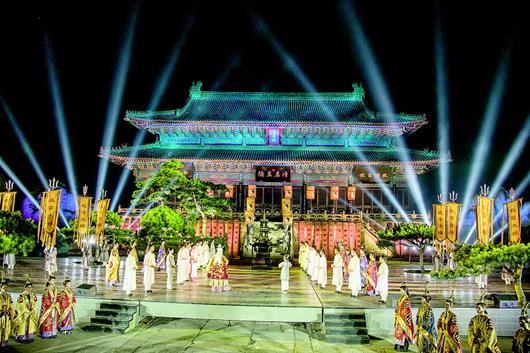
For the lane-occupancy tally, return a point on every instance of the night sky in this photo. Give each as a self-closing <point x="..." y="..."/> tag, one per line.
<point x="224" y="49"/>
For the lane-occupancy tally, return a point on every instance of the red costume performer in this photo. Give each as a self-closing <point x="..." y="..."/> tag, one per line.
<point x="67" y="303"/>
<point x="49" y="313"/>
<point x="403" y="322"/>
<point x="448" y="336"/>
<point x="218" y="272"/>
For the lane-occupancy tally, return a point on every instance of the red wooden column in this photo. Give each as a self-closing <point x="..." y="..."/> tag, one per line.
<point x="358" y="235"/>
<point x="228" y="226"/>
<point x="235" y="239"/>
<point x="324" y="236"/>
<point x="351" y="235"/>
<point x="209" y="228"/>
<point x="332" y="228"/>
<point x="318" y="232"/>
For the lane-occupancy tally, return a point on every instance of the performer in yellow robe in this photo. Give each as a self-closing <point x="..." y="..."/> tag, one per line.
<point x="6" y="314"/>
<point x="403" y="322"/>
<point x="25" y="322"/>
<point x="521" y="340"/>
<point x="426" y="336"/>
<point x="448" y="336"/>
<point x="481" y="335"/>
<point x="113" y="267"/>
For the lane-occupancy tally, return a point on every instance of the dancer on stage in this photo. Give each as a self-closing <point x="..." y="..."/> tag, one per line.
<point x="205" y="254"/>
<point x="285" y="265"/>
<point x="112" y="275"/>
<point x="7" y="312"/>
<point x="371" y="276"/>
<point x="482" y="280"/>
<point x="170" y="269"/>
<point x="481" y="335"/>
<point x="354" y="276"/>
<point x="218" y="272"/>
<point x="403" y="322"/>
<point x="25" y="321"/>
<point x="161" y="257"/>
<point x="194" y="263"/>
<point x="338" y="276"/>
<point x="47" y="255"/>
<point x="363" y="262"/>
<point x="301" y="256"/>
<point x="149" y="269"/>
<point x="426" y="336"/>
<point x="129" y="277"/>
<point x="183" y="264"/>
<point x="134" y="252"/>
<point x="382" y="280"/>
<point x="49" y="310"/>
<point x="345" y="262"/>
<point x="67" y="303"/>
<point x="53" y="260"/>
<point x="10" y="261"/>
<point x="448" y="336"/>
<point x="322" y="264"/>
<point x="105" y="252"/>
<point x="521" y="340"/>
<point x="507" y="277"/>
<point x="87" y="255"/>
<point x="313" y="264"/>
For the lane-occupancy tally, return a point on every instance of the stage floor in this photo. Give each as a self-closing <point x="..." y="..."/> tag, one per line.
<point x="257" y="287"/>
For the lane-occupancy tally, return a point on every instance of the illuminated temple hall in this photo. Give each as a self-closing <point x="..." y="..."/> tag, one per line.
<point x="270" y="140"/>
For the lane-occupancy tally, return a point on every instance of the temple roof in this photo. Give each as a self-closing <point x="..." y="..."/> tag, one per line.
<point x="260" y="107"/>
<point x="267" y="155"/>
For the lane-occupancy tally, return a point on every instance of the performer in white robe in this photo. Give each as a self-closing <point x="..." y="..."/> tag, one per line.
<point x="129" y="277"/>
<point x="306" y="256"/>
<point x="354" y="274"/>
<point x="10" y="261"/>
<point x="314" y="264"/>
<point x="170" y="269"/>
<point x="183" y="261"/>
<point x="149" y="269"/>
<point x="194" y="263"/>
<point x="338" y="276"/>
<point x="53" y="260"/>
<point x="205" y="254"/>
<point x="87" y="256"/>
<point x="301" y="255"/>
<point x="47" y="261"/>
<point x="322" y="270"/>
<point x="382" y="280"/>
<point x="285" y="265"/>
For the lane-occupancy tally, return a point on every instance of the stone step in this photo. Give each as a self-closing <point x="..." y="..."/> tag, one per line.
<point x="104" y="329"/>
<point x="118" y="307"/>
<point x="110" y="321"/>
<point x="345" y="322"/>
<point x="114" y="314"/>
<point x="348" y="339"/>
<point x="344" y="316"/>
<point x="347" y="331"/>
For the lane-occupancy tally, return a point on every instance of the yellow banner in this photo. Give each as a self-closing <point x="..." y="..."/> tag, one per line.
<point x="438" y="211"/>
<point x="286" y="206"/>
<point x="288" y="191"/>
<point x="310" y="193"/>
<point x="7" y="201"/>
<point x="103" y="207"/>
<point x="334" y="194"/>
<point x="83" y="218"/>
<point x="484" y="214"/>
<point x="249" y="217"/>
<point x="514" y="220"/>
<point x="251" y="204"/>
<point x="49" y="214"/>
<point x="453" y="214"/>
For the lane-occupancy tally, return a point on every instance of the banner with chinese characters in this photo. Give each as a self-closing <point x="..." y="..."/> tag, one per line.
<point x="453" y="215"/>
<point x="288" y="192"/>
<point x="514" y="220"/>
<point x="350" y="193"/>
<point x="229" y="193"/>
<point x="49" y="214"/>
<point x="286" y="206"/>
<point x="484" y="215"/>
<point x="438" y="211"/>
<point x="83" y="218"/>
<point x="273" y="174"/>
<point x="7" y="200"/>
<point x="252" y="191"/>
<point x="310" y="193"/>
<point x="334" y="194"/>
<point x="103" y="207"/>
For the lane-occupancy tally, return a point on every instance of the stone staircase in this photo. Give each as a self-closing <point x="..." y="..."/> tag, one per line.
<point x="347" y="327"/>
<point x="114" y="317"/>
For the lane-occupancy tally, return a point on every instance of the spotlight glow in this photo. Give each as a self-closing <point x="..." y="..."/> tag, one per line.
<point x="60" y="118"/>
<point x="28" y="151"/>
<point x="17" y="181"/>
<point x="118" y="87"/>
<point x="482" y="146"/>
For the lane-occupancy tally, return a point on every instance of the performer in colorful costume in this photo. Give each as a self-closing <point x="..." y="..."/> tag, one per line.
<point x="218" y="272"/>
<point x="25" y="322"/>
<point x="426" y="336"/>
<point x="113" y="267"/>
<point x="363" y="262"/>
<point x="49" y="310"/>
<point x="67" y="303"/>
<point x="403" y="322"/>
<point x="6" y="313"/>
<point x="371" y="276"/>
<point x="481" y="335"/>
<point x="448" y="336"/>
<point x="161" y="257"/>
<point x="521" y="340"/>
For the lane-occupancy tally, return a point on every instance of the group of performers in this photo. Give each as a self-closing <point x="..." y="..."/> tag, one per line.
<point x="349" y="268"/>
<point x="22" y="321"/>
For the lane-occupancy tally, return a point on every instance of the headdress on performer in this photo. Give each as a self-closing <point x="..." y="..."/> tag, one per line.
<point x="481" y="301"/>
<point x="3" y="280"/>
<point x="66" y="279"/>
<point x="426" y="295"/>
<point x="51" y="276"/>
<point x="524" y="313"/>
<point x="451" y="299"/>
<point x="404" y="285"/>
<point x="28" y="282"/>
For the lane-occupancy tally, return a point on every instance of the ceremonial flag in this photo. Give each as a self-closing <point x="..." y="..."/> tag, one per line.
<point x="514" y="220"/>
<point x="7" y="201"/>
<point x="252" y="191"/>
<point x="288" y="191"/>
<point x="49" y="214"/>
<point x="310" y="193"/>
<point x="83" y="218"/>
<point x="484" y="214"/>
<point x="453" y="215"/>
<point x="103" y="207"/>
<point x="286" y="206"/>
<point x="439" y="221"/>
<point x="251" y="204"/>
<point x="249" y="217"/>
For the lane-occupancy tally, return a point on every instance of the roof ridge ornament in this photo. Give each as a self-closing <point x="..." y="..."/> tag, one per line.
<point x="195" y="89"/>
<point x="358" y="91"/>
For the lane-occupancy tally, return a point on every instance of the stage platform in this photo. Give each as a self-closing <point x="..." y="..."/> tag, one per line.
<point x="256" y="295"/>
